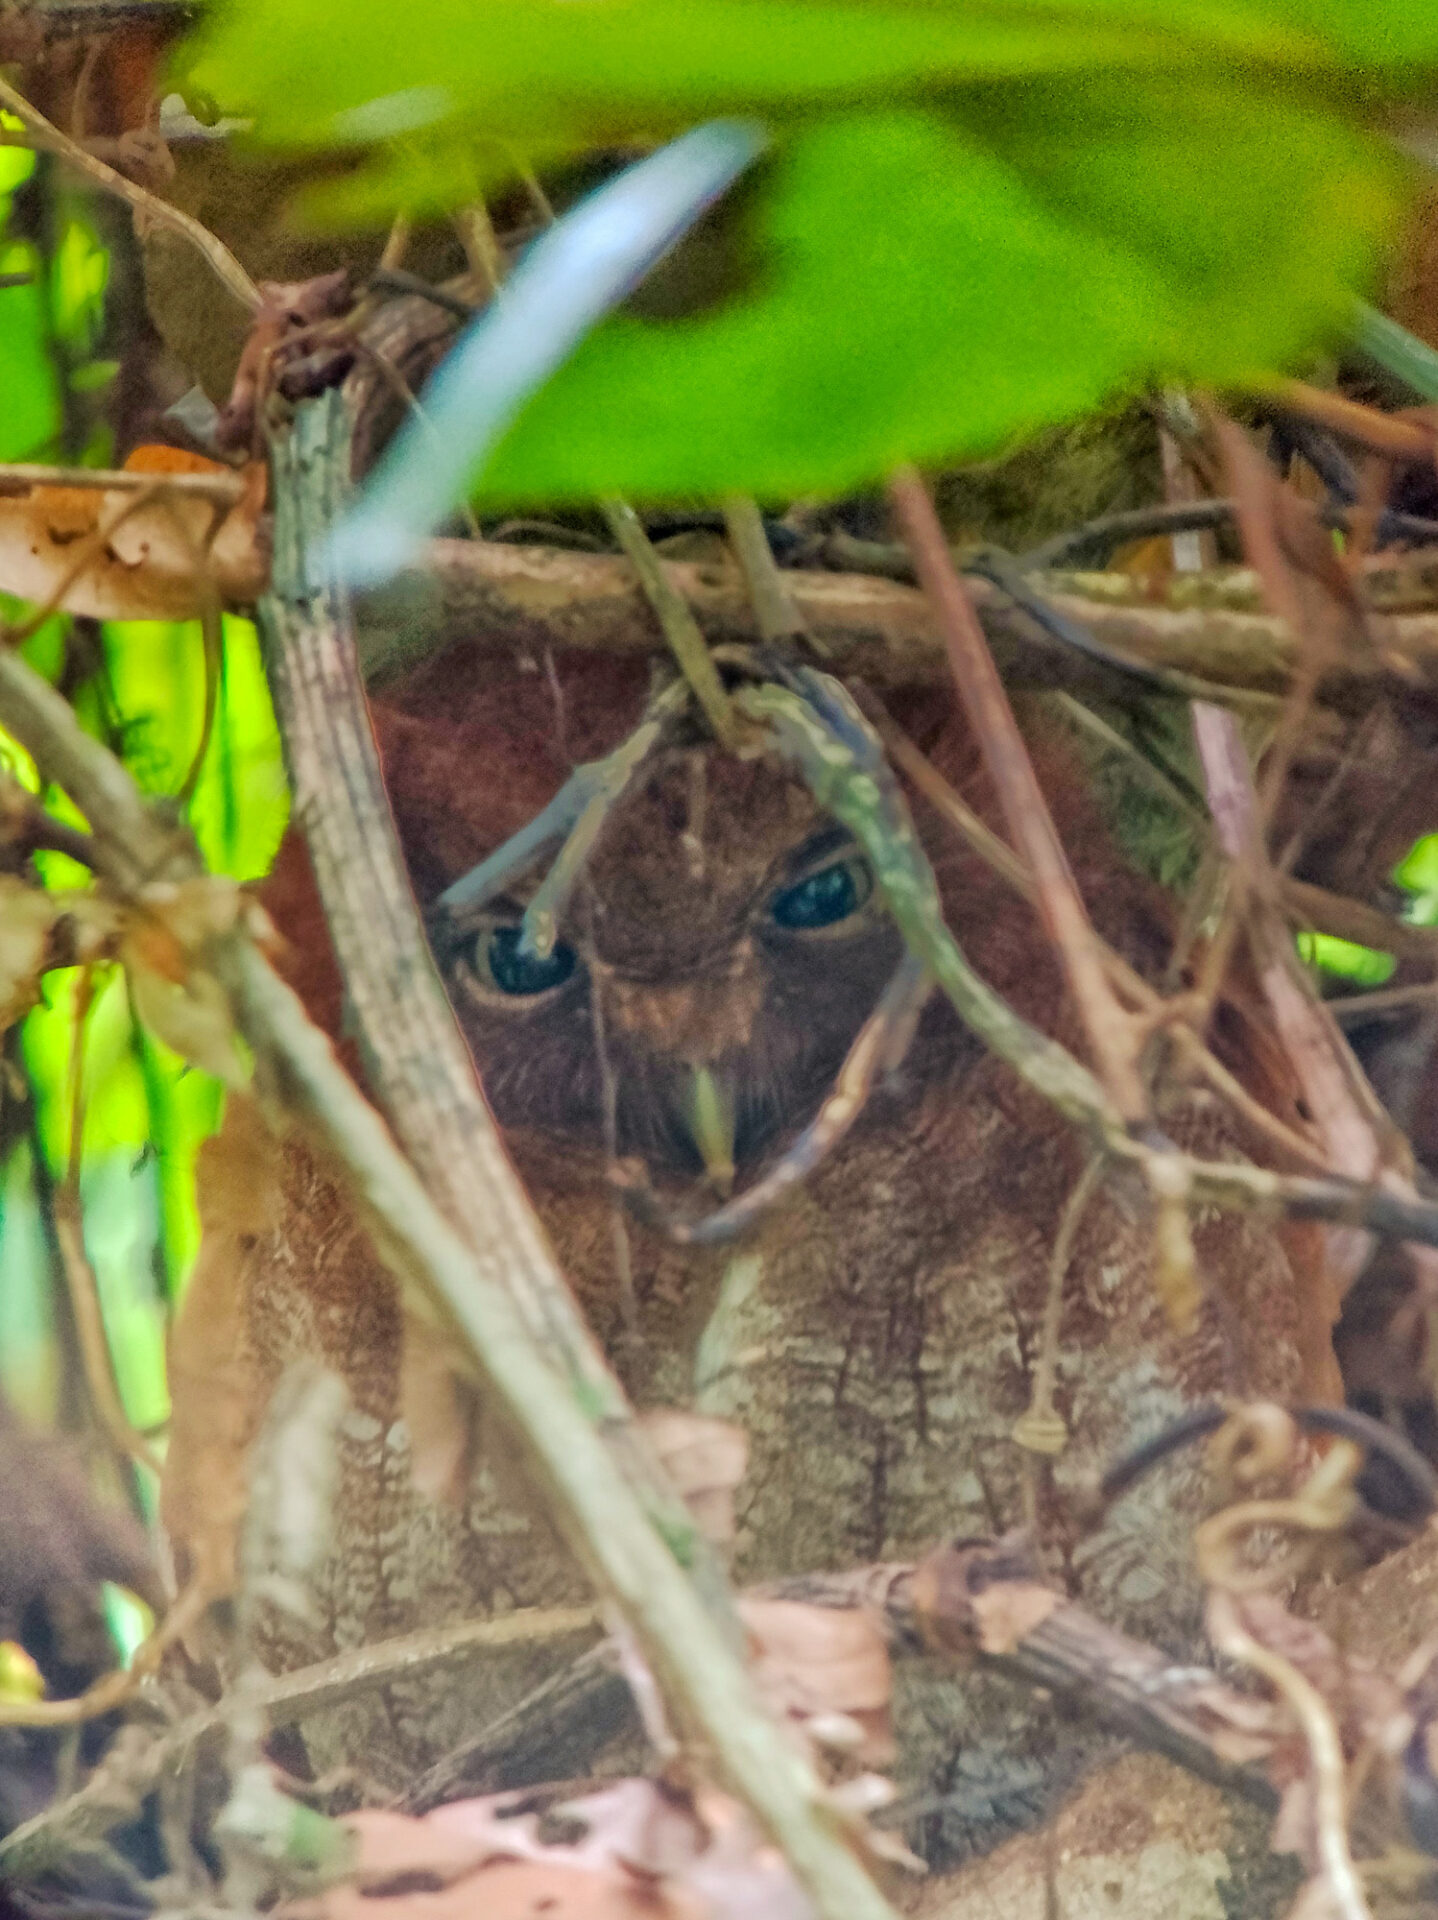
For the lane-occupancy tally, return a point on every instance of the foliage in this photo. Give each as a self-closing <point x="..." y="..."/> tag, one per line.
<point x="145" y="1111"/>
<point x="972" y="221"/>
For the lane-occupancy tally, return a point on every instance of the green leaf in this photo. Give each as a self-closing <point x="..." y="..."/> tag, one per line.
<point x="981" y="216"/>
<point x="1391" y="39"/>
<point x="1365" y="966"/>
<point x="920" y="293"/>
<point x="612" y="69"/>
<point x="29" y="391"/>
<point x="578" y="271"/>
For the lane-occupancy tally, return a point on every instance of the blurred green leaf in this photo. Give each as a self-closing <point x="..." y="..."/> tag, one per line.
<point x="979" y="219"/>
<point x="607" y="72"/>
<point x="146" y="1111"/>
<point x="925" y="289"/>
<point x="1417" y="872"/>
<point x="1365" y="966"/>
<point x="29" y="387"/>
<point x="16" y="163"/>
<point x="81" y="270"/>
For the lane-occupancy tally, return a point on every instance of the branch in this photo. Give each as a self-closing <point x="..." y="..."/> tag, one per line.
<point x="493" y="594"/>
<point x="936" y="1606"/>
<point x="222" y="489"/>
<point x="139" y="199"/>
<point x="1112" y="1036"/>
<point x="494" y="1284"/>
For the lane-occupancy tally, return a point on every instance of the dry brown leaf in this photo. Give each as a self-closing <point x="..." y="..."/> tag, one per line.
<point x="193" y="1018"/>
<point x="146" y="569"/>
<point x="26" y="917"/>
<point x="34" y="923"/>
<point x="173" y="994"/>
<point x="508" y="1890"/>
<point x="820" y="1665"/>
<point x="705" y="1458"/>
<point x="1007" y="1612"/>
<point x="214" y="1376"/>
<point x="631" y="1851"/>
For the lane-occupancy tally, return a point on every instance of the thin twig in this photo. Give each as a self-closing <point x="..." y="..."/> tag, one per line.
<point x="49" y="139"/>
<point x="592" y="789"/>
<point x="112" y="1689"/>
<point x="80" y="1282"/>
<point x="1039" y="1428"/>
<point x="224" y="489"/>
<point x="502" y="594"/>
<point x="1159" y="783"/>
<point x="482" y="251"/>
<point x="27" y="827"/>
<point x="1384" y="433"/>
<point x="211" y="613"/>
<point x="398" y="280"/>
<point x="775" y="609"/>
<point x="681" y="629"/>
<point x="1323" y="1506"/>
<point x="1310" y="1709"/>
<point x="1364" y="1006"/>
<point x="1110" y="1033"/>
<point x="611" y="778"/>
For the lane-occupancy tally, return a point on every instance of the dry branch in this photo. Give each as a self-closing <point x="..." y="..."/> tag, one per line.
<point x="497" y="1286"/>
<point x="1112" y="1036"/>
<point x="149" y="206"/>
<point x="492" y="593"/>
<point x="927" y="1607"/>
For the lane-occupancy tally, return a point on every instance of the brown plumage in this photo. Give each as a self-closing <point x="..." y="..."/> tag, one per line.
<point x="876" y="1334"/>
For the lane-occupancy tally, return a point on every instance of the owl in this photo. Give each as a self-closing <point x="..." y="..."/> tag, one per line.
<point x="875" y="1332"/>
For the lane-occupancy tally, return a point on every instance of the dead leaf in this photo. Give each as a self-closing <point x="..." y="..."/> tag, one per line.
<point x="194" y="1018"/>
<point x="949" y="1583"/>
<point x="172" y="992"/>
<point x="508" y="1890"/>
<point x="705" y="1458"/>
<point x="820" y="1667"/>
<point x="41" y="929"/>
<point x="634" y="1850"/>
<point x="146" y="568"/>
<point x="216" y="1387"/>
<point x="1006" y="1613"/>
<point x="27" y="915"/>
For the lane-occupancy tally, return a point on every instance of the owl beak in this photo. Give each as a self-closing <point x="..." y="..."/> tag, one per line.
<point x="710" y="1119"/>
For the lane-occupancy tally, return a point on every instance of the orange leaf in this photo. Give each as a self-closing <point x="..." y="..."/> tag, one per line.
<point x="153" y="562"/>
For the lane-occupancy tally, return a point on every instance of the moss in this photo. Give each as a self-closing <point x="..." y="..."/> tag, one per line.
<point x="1104" y="464"/>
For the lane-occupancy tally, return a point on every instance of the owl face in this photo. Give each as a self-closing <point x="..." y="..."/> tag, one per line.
<point x="718" y="956"/>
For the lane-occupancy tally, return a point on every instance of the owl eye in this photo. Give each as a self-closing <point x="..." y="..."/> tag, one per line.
<point x="824" y="898"/>
<point x="515" y="972"/>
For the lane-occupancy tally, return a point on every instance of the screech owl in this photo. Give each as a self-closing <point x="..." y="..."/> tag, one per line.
<point x="875" y="1334"/>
